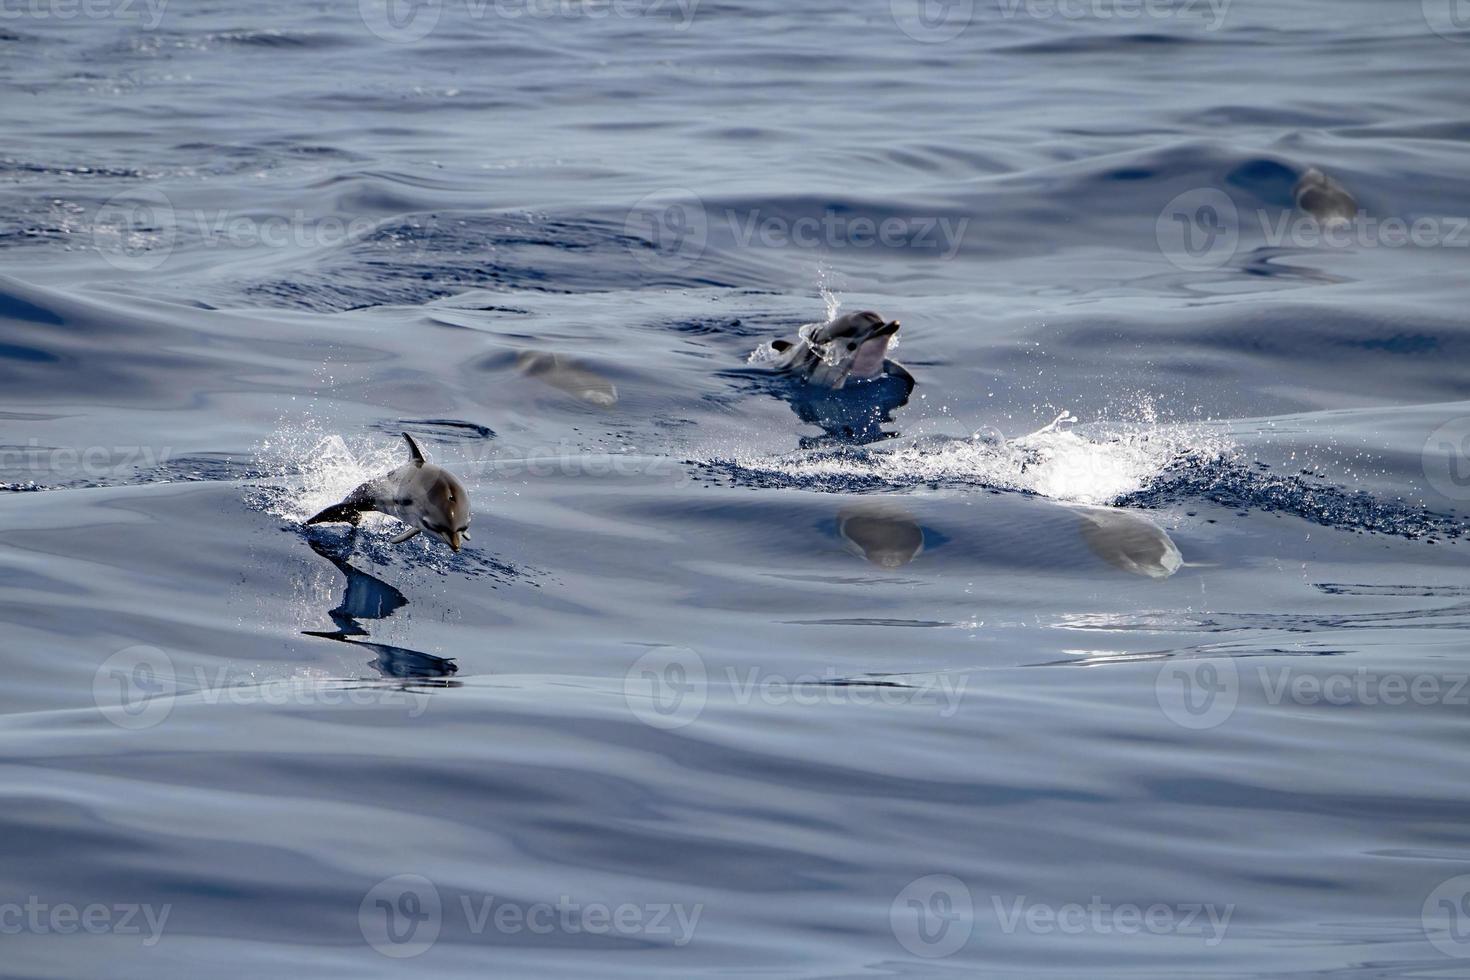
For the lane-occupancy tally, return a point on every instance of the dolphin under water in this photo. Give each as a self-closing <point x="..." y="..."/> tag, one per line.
<point x="560" y="373"/>
<point x="1129" y="541"/>
<point x="881" y="532"/>
<point x="1324" y="198"/>
<point x="424" y="496"/>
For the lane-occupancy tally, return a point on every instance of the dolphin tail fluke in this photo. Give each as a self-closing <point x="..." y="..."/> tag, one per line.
<point x="343" y="513"/>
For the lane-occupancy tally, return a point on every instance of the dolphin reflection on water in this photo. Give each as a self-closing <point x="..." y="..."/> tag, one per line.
<point x="368" y="597"/>
<point x="1129" y="541"/>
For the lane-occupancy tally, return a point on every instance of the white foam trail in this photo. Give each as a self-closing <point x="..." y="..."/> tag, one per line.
<point x="1096" y="468"/>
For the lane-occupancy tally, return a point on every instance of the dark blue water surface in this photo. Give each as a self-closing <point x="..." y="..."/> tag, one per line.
<point x="1129" y="643"/>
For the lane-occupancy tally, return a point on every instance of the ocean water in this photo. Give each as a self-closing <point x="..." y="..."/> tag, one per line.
<point x="1129" y="643"/>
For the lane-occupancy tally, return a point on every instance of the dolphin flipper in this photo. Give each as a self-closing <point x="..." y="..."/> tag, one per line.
<point x="400" y="538"/>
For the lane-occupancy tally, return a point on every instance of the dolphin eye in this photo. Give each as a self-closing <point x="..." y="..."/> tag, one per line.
<point x="852" y="345"/>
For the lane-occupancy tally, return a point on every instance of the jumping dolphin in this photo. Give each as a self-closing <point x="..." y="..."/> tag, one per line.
<point x="853" y="347"/>
<point x="418" y="493"/>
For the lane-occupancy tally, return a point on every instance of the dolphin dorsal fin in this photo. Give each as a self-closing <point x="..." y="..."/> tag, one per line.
<point x="414" y="450"/>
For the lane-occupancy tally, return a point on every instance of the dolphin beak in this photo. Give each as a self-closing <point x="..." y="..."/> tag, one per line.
<point x="887" y="330"/>
<point x="454" y="540"/>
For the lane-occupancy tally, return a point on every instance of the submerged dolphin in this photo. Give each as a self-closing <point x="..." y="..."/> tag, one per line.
<point x="1130" y="542"/>
<point x="850" y="348"/>
<point x="418" y="493"/>
<point x="1324" y="198"/>
<point x="560" y="373"/>
<point x="883" y="533"/>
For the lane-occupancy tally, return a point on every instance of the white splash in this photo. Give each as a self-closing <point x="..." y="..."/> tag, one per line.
<point x="311" y="470"/>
